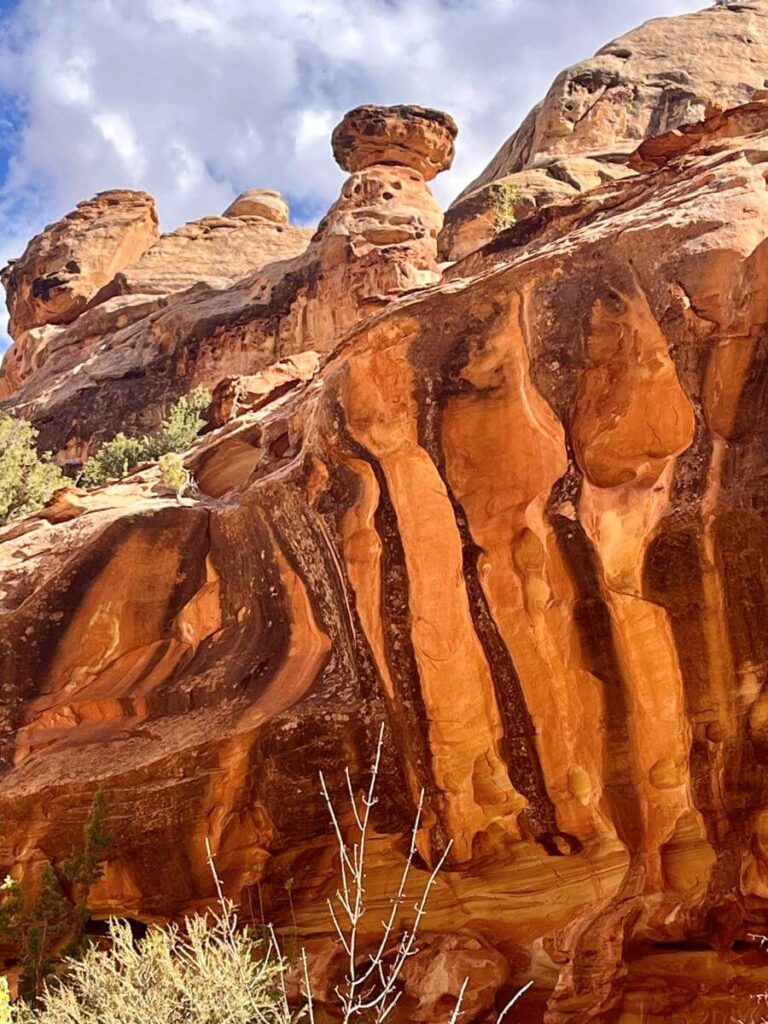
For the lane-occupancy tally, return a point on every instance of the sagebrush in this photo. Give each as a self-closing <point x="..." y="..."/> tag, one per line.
<point x="211" y="972"/>
<point x="203" y="973"/>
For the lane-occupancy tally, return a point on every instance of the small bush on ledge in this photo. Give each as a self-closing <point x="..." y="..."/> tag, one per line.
<point x="504" y="194"/>
<point x="121" y="454"/>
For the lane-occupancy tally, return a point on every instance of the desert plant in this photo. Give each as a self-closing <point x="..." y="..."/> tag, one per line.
<point x="503" y="195"/>
<point x="203" y="973"/>
<point x="27" y="478"/>
<point x="182" y="424"/>
<point x="172" y="472"/>
<point x="6" y="1013"/>
<point x="211" y="972"/>
<point x="84" y="867"/>
<point x="114" y="459"/>
<point x="118" y="456"/>
<point x="59" y="912"/>
<point x="371" y="986"/>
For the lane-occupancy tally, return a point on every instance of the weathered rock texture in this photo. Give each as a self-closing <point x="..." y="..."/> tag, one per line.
<point x="405" y="136"/>
<point x="66" y="265"/>
<point x="520" y="516"/>
<point x="131" y="353"/>
<point x="206" y="256"/>
<point x="667" y="72"/>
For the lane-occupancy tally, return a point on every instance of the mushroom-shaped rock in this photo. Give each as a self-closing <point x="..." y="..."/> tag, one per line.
<point x="410" y="136"/>
<point x="259" y="202"/>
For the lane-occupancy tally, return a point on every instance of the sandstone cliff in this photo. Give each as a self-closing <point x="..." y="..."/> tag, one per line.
<point x="668" y="72"/>
<point x="516" y="512"/>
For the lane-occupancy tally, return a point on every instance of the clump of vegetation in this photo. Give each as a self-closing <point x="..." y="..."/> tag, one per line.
<point x="121" y="454"/>
<point x="212" y="972"/>
<point x="5" y="1002"/>
<point x="205" y="973"/>
<point x="182" y="424"/>
<point x="172" y="471"/>
<point x="27" y="478"/>
<point x="503" y="195"/>
<point x="59" y="913"/>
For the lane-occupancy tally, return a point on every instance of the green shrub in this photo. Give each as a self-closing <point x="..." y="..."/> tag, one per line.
<point x="27" y="478"/>
<point x="59" y="912"/>
<point x="114" y="459"/>
<point x="172" y="471"/>
<point x="182" y="424"/>
<point x="503" y="195"/>
<point x="178" y="430"/>
<point x="205" y="973"/>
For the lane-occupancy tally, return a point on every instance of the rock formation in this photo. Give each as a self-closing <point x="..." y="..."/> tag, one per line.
<point x="668" y="72"/>
<point x="518" y="513"/>
<point x="65" y="266"/>
<point x="132" y="351"/>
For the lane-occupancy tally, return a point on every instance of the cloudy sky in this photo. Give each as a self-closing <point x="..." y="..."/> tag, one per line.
<point x="196" y="100"/>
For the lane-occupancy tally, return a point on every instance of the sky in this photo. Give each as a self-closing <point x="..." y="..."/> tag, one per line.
<point x="196" y="100"/>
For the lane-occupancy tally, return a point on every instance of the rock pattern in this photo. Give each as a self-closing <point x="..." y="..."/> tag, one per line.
<point x="212" y="253"/>
<point x="520" y="516"/>
<point x="259" y="202"/>
<point x="405" y="136"/>
<point x="667" y="72"/>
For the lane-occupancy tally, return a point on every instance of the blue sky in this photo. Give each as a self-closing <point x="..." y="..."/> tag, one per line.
<point x="196" y="100"/>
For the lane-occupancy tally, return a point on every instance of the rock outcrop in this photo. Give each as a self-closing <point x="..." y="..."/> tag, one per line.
<point x="212" y="253"/>
<point x="518" y="513"/>
<point x="378" y="241"/>
<point x="666" y="73"/>
<point x="65" y="266"/>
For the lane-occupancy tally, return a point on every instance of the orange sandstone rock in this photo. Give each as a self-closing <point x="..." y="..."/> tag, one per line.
<point x="519" y="517"/>
<point x="406" y="136"/>
<point x="667" y="73"/>
<point x="259" y="202"/>
<point x="229" y="296"/>
<point x="65" y="266"/>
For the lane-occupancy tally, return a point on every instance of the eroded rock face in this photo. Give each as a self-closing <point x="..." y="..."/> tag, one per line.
<point x="667" y="72"/>
<point x="519" y="517"/>
<point x="208" y="317"/>
<point x="259" y="202"/>
<point x="65" y="266"/>
<point x="214" y="251"/>
<point x="183" y="274"/>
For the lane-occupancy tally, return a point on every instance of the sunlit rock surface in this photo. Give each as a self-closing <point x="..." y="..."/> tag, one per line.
<point x="667" y="72"/>
<point x="517" y="513"/>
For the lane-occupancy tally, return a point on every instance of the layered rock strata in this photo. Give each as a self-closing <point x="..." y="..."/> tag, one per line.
<point x="518" y="516"/>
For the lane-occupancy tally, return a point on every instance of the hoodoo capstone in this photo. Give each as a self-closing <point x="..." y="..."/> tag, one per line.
<point x="408" y="136"/>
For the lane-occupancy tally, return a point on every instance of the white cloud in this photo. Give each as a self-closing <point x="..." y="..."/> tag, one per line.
<point x="195" y="100"/>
